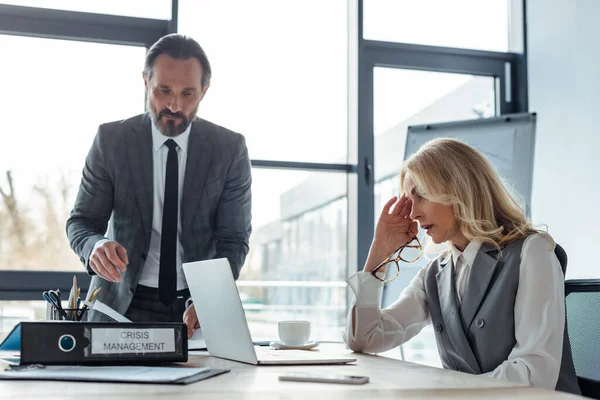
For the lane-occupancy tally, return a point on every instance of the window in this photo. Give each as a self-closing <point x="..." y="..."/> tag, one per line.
<point x="56" y="96"/>
<point x="14" y="312"/>
<point x="296" y="268"/>
<point x="408" y="97"/>
<point x="472" y="24"/>
<point x="403" y="98"/>
<point x="156" y="9"/>
<point x="280" y="84"/>
<point x="280" y="77"/>
<point x="285" y="88"/>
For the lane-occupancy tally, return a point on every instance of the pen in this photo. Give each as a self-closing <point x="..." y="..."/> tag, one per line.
<point x="73" y="295"/>
<point x="90" y="293"/>
<point x="94" y="294"/>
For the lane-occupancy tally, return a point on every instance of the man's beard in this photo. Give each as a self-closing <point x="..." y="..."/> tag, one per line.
<point x="169" y="128"/>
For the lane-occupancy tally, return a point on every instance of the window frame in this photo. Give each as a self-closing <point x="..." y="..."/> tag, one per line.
<point x="510" y="69"/>
<point x="82" y="27"/>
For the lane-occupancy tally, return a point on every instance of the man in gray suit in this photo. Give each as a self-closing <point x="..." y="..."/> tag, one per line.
<point x="175" y="188"/>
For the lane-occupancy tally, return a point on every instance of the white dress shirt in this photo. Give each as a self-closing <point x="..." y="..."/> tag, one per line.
<point x="462" y="266"/>
<point x="151" y="268"/>
<point x="539" y="313"/>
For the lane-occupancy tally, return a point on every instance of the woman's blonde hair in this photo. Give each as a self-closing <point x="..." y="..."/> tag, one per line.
<point x="450" y="172"/>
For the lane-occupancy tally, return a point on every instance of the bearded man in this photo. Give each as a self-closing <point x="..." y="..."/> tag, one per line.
<point x="161" y="189"/>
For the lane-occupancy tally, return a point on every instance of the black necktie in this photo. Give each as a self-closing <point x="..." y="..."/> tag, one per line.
<point x="167" y="277"/>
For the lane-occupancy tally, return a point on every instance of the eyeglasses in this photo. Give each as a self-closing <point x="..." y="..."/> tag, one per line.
<point x="408" y="253"/>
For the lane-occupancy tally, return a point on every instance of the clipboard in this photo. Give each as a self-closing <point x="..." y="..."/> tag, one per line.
<point x="112" y="374"/>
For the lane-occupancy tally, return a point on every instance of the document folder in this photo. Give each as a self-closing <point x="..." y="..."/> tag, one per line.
<point x="120" y="374"/>
<point x="12" y="341"/>
<point x="102" y="343"/>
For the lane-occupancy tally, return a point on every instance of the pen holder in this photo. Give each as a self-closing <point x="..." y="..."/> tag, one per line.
<point x="70" y="314"/>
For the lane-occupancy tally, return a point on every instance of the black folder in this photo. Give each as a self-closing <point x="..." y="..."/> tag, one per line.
<point x="102" y="343"/>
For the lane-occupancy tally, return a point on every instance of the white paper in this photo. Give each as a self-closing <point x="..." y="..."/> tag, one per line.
<point x="106" y="310"/>
<point x="132" y="341"/>
<point x="198" y="353"/>
<point x="196" y="342"/>
<point x="104" y="374"/>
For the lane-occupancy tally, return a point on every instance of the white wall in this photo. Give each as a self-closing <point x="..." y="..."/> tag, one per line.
<point x="564" y="89"/>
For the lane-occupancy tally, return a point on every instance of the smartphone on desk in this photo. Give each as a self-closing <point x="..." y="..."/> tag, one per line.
<point x="325" y="378"/>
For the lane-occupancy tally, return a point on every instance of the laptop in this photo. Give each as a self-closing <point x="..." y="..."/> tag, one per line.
<point x="224" y="324"/>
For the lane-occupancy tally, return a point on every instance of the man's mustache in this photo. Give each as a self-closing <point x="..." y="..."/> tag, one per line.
<point x="171" y="114"/>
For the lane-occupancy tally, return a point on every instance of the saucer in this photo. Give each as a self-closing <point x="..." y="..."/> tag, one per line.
<point x="277" y="345"/>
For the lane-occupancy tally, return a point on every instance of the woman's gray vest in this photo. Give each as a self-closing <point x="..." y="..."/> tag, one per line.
<point x="479" y="335"/>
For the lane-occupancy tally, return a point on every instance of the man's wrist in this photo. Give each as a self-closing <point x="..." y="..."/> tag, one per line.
<point x="99" y="243"/>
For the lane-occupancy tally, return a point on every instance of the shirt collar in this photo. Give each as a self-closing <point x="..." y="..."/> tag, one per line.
<point x="158" y="139"/>
<point x="469" y="253"/>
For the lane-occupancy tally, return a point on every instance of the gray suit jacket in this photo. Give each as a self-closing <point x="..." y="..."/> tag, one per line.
<point x="479" y="335"/>
<point x="117" y="185"/>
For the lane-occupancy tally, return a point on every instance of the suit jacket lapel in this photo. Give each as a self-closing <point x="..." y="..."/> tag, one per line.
<point x="482" y="272"/>
<point x="199" y="158"/>
<point x="452" y="320"/>
<point x="142" y="170"/>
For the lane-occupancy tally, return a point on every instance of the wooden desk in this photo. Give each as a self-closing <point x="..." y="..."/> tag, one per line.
<point x="389" y="379"/>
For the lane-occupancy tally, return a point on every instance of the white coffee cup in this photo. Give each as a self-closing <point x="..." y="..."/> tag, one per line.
<point x="294" y="333"/>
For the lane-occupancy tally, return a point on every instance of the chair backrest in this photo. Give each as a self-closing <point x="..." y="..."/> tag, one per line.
<point x="561" y="254"/>
<point x="583" y="321"/>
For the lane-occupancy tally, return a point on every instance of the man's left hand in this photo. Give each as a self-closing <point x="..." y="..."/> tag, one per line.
<point x="191" y="320"/>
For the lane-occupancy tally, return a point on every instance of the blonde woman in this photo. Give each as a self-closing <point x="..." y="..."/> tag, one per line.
<point x="495" y="297"/>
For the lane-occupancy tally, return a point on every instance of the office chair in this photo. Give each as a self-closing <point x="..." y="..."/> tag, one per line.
<point x="583" y="319"/>
<point x="561" y="254"/>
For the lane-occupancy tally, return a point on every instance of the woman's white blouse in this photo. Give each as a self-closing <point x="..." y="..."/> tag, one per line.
<point x="539" y="313"/>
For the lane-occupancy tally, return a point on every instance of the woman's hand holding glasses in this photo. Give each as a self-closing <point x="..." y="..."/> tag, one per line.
<point x="395" y="238"/>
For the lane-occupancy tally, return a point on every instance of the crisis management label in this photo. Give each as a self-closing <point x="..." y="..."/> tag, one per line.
<point x="119" y="340"/>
